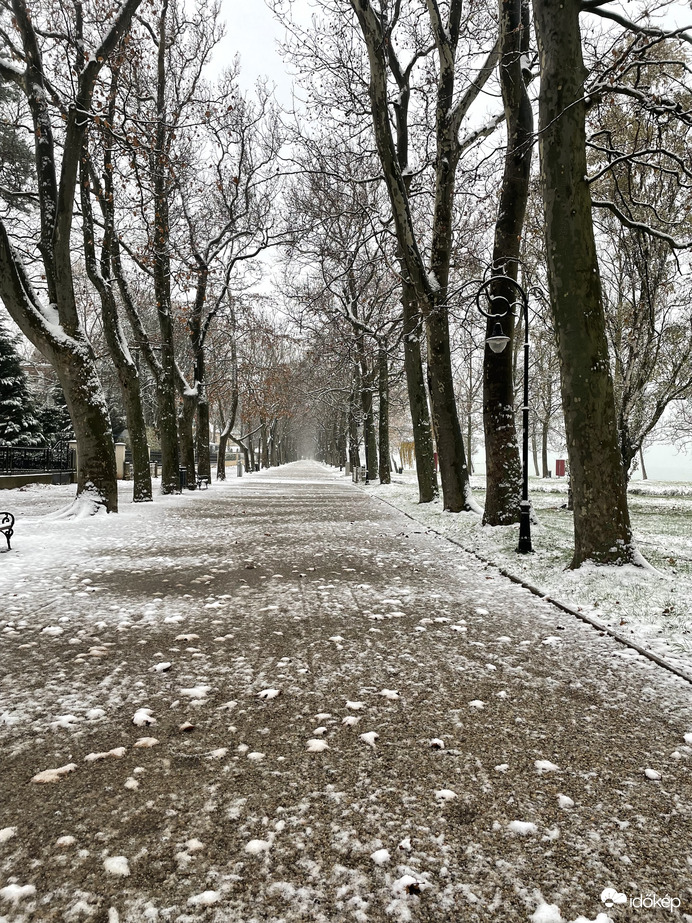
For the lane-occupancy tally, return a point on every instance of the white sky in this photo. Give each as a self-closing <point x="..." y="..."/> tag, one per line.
<point x="253" y="33"/>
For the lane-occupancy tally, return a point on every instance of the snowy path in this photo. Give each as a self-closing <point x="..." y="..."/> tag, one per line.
<point x="443" y="746"/>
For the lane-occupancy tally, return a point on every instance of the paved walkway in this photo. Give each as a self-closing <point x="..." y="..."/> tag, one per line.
<point x="353" y="721"/>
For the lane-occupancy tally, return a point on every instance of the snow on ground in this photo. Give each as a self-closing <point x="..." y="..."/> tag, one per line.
<point x="317" y="755"/>
<point x="654" y="610"/>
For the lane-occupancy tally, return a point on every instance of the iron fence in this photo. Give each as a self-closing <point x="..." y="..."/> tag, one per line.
<point x="59" y="457"/>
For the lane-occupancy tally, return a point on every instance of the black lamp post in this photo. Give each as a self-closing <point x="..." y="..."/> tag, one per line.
<point x="497" y="343"/>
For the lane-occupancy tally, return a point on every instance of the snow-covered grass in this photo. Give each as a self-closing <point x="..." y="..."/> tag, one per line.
<point x="651" y="608"/>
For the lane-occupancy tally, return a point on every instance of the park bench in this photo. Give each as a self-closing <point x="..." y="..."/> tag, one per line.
<point x="202" y="482"/>
<point x="6" y="526"/>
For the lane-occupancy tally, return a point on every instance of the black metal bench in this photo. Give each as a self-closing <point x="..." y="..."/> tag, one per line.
<point x="202" y="482"/>
<point x="6" y="527"/>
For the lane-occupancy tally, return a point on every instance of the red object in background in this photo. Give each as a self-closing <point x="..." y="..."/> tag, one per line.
<point x="559" y="467"/>
<point x="435" y="456"/>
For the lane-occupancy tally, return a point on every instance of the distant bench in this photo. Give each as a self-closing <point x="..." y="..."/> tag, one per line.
<point x="202" y="482"/>
<point x="6" y="527"/>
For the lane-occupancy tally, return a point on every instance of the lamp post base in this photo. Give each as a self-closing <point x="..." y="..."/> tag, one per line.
<point x="525" y="546"/>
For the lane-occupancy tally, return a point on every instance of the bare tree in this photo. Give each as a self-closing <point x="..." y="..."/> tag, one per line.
<point x="48" y="315"/>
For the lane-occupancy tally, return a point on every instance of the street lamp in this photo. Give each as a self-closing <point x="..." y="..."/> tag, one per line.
<point x="497" y="342"/>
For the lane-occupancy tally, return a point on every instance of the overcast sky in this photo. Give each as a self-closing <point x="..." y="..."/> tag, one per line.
<point x="253" y="33"/>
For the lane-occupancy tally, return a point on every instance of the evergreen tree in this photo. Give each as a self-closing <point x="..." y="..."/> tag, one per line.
<point x="15" y="152"/>
<point x="54" y="418"/>
<point x="18" y="423"/>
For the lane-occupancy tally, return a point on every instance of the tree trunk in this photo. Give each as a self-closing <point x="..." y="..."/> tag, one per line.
<point x="264" y="445"/>
<point x="456" y="489"/>
<point x="353" y="449"/>
<point x="602" y="531"/>
<point x="417" y="399"/>
<point x="545" y="433"/>
<point x="187" y="441"/>
<point x="641" y="462"/>
<point x="385" y="471"/>
<point x="125" y="366"/>
<point x="369" y="441"/>
<point x="469" y="442"/>
<point x="534" y="451"/>
<point x="202" y="431"/>
<point x="503" y="464"/>
<point x="166" y="389"/>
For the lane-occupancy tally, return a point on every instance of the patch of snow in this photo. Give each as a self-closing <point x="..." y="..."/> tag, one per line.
<point x="546" y="913"/>
<point x="143" y="717"/>
<point x="196" y="692"/>
<point x="369" y="738"/>
<point x="257" y="847"/>
<point x="390" y="694"/>
<point x="546" y="766"/>
<point x="205" y="899"/>
<point x="15" y="893"/>
<point x="117" y="753"/>
<point x="522" y="827"/>
<point x="268" y="694"/>
<point x="49" y="776"/>
<point x="380" y="856"/>
<point x="117" y="865"/>
<point x="446" y="794"/>
<point x="315" y="745"/>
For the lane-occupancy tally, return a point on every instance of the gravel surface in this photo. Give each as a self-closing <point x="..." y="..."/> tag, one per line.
<point x="280" y="700"/>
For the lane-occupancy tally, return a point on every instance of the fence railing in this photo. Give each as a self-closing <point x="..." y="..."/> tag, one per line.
<point x="59" y="457"/>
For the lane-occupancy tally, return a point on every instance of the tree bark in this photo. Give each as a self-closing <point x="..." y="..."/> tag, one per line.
<point x="417" y="399"/>
<point x="545" y="433"/>
<point x="385" y="471"/>
<point x="503" y="464"/>
<point x="187" y="440"/>
<point x="602" y="531"/>
<point x="100" y="276"/>
<point x="166" y="386"/>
